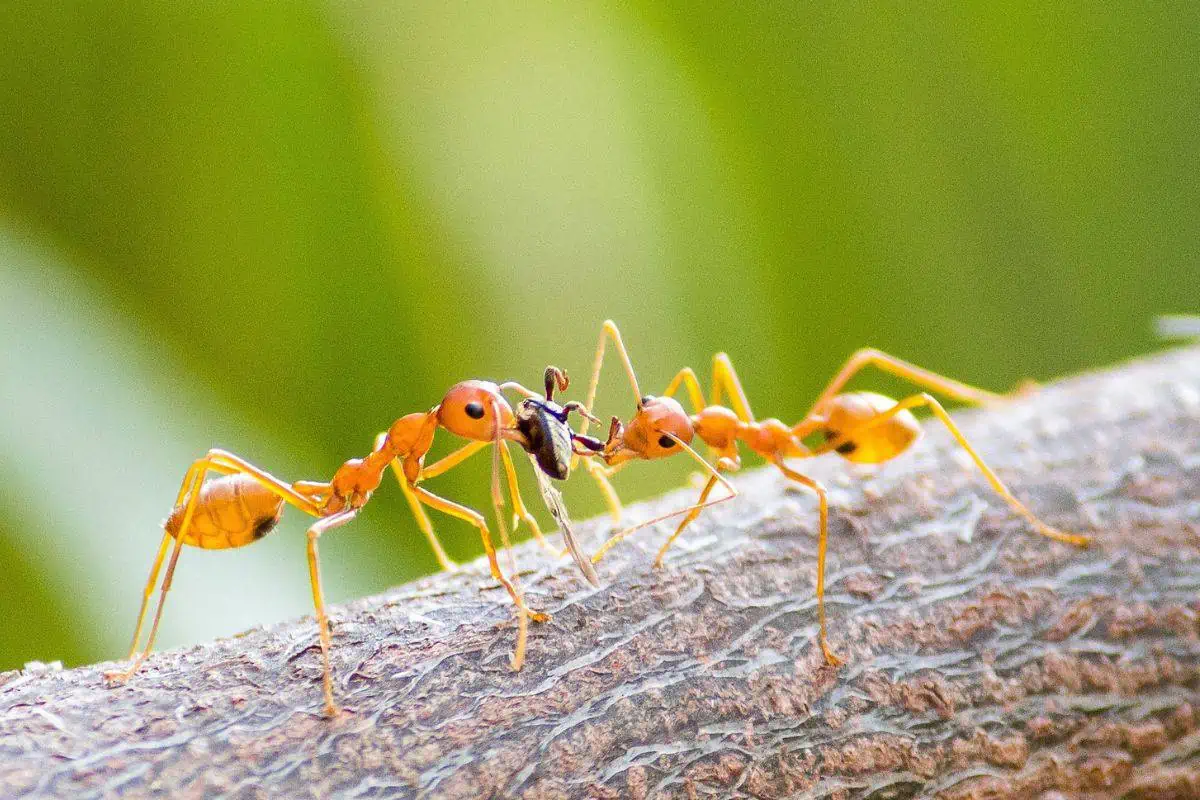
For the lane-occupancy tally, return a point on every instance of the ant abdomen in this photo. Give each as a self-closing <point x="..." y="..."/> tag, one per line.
<point x="881" y="441"/>
<point x="232" y="511"/>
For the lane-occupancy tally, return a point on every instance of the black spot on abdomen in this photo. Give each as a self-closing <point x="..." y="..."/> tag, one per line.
<point x="264" y="526"/>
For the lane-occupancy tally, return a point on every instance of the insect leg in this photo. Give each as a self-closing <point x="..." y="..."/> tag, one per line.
<point x="822" y="540"/>
<point x="151" y="582"/>
<point x="452" y="460"/>
<point x="475" y="518"/>
<point x="726" y="379"/>
<point x="924" y="378"/>
<point x="695" y="512"/>
<point x="601" y="474"/>
<point x="215" y="461"/>
<point x="608" y="330"/>
<point x="520" y="512"/>
<point x="933" y="405"/>
<point x="314" y="574"/>
<point x="692" y="510"/>
<point x="686" y="377"/>
<point x="225" y="461"/>
<point x="191" y="491"/>
<point x="423" y="521"/>
<point x="418" y="511"/>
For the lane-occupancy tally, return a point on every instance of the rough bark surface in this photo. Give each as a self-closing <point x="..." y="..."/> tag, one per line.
<point x="982" y="659"/>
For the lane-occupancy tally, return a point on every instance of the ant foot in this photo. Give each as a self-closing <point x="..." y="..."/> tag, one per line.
<point x="831" y="658"/>
<point x="661" y="558"/>
<point x="1077" y="539"/>
<point x="118" y="677"/>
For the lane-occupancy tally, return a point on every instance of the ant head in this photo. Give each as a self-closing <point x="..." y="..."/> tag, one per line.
<point x="646" y="434"/>
<point x="469" y="410"/>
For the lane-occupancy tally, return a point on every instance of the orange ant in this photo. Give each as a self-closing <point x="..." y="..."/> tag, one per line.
<point x="245" y="502"/>
<point x="862" y="427"/>
<point x="543" y="431"/>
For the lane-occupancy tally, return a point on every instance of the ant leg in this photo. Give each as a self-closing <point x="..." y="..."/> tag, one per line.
<point x="184" y="488"/>
<point x="513" y="386"/>
<point x="695" y="512"/>
<point x="687" y="378"/>
<point x="725" y="378"/>
<point x="227" y="462"/>
<point x="933" y="405"/>
<point x="723" y="465"/>
<point x="692" y="511"/>
<point x="475" y="518"/>
<point x="500" y="452"/>
<point x="314" y="574"/>
<point x="414" y="505"/>
<point x="831" y="658"/>
<point x="126" y="674"/>
<point x="423" y="521"/>
<point x="608" y="330"/>
<point x="449" y="462"/>
<point x="151" y="582"/>
<point x="190" y="489"/>
<point x="520" y="512"/>
<point x="445" y="464"/>
<point x="601" y="475"/>
<point x="517" y="659"/>
<point x="311" y="489"/>
<point x="902" y="369"/>
<point x="187" y="489"/>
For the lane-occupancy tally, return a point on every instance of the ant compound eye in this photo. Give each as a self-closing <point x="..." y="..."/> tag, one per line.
<point x="474" y="410"/>
<point x="666" y="441"/>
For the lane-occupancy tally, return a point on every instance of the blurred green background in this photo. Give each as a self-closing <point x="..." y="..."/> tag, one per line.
<point x="277" y="228"/>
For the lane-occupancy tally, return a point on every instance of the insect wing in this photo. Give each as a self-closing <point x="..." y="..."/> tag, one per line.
<point x="554" y="502"/>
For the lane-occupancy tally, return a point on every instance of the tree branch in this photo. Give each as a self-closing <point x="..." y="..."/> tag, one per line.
<point x="982" y="659"/>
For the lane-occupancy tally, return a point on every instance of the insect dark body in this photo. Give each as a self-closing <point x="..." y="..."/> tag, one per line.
<point x="226" y="502"/>
<point x="550" y="443"/>
<point x="544" y="424"/>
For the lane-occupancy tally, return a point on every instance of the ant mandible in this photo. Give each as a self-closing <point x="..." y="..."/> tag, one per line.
<point x="546" y="436"/>
<point x="245" y="502"/>
<point x="862" y="427"/>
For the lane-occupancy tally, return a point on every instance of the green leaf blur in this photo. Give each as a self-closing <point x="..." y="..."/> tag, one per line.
<point x="276" y="228"/>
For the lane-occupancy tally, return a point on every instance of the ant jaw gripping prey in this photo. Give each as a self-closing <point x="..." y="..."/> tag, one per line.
<point x="861" y="427"/>
<point x="226" y="502"/>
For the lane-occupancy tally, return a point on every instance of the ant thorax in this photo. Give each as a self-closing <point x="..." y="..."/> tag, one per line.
<point x="547" y="435"/>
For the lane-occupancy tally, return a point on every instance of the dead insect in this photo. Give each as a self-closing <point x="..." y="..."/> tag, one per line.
<point x="551" y="444"/>
<point x="242" y="502"/>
